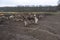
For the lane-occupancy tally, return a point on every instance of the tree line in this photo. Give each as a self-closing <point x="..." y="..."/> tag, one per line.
<point x="29" y="9"/>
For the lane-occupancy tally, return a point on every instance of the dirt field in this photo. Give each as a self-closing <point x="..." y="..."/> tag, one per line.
<point x="48" y="28"/>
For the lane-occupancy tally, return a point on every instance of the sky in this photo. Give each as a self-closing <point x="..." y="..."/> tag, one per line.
<point x="28" y="2"/>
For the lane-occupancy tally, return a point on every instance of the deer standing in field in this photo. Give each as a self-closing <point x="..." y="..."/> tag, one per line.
<point x="30" y="19"/>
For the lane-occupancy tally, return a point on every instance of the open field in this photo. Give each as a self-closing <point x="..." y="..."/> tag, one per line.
<point x="30" y="12"/>
<point x="48" y="28"/>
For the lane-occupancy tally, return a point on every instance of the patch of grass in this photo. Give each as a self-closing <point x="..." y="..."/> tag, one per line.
<point x="47" y="13"/>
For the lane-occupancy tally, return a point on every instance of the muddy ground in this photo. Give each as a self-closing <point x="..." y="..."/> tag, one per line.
<point x="48" y="28"/>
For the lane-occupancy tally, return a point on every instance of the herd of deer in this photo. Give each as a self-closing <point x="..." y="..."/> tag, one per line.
<point x="25" y="18"/>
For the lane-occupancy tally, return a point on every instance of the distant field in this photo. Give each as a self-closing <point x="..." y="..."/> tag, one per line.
<point x="30" y="12"/>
